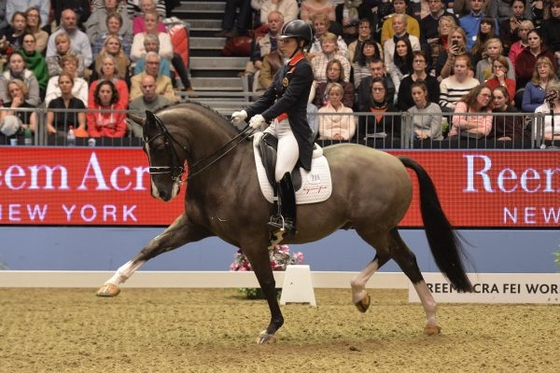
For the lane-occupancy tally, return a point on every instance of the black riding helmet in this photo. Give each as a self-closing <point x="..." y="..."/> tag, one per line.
<point x="298" y="29"/>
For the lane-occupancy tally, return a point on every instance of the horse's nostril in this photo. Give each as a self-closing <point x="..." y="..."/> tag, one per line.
<point x="163" y="194"/>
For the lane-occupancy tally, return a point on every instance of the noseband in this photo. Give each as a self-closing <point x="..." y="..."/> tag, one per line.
<point x="177" y="168"/>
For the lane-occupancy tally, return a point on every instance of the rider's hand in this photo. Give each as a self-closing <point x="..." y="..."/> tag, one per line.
<point x="257" y="121"/>
<point x="238" y="116"/>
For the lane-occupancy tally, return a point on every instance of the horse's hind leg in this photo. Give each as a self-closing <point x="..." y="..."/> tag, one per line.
<point x="176" y="235"/>
<point x="360" y="297"/>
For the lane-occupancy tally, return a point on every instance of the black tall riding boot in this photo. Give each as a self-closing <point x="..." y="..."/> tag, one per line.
<point x="286" y="218"/>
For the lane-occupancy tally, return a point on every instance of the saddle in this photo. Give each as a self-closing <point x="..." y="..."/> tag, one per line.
<point x="268" y="150"/>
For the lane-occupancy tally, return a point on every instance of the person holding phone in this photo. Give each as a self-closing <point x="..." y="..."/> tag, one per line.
<point x="456" y="47"/>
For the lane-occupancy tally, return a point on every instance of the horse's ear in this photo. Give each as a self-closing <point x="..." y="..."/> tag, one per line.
<point x="150" y="118"/>
<point x="136" y="119"/>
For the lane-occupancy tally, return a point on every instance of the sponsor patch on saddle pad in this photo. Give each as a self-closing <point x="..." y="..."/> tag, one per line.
<point x="316" y="184"/>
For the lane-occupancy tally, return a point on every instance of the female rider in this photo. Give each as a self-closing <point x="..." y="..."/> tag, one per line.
<point x="284" y="106"/>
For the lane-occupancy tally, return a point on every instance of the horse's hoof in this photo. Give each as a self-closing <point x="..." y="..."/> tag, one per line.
<point x="108" y="290"/>
<point x="363" y="304"/>
<point x="266" y="339"/>
<point x="432" y="330"/>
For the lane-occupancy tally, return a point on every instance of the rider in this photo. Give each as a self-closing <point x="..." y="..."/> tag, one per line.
<point x="284" y="106"/>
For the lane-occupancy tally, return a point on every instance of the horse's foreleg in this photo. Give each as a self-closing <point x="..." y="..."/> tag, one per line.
<point x="176" y="235"/>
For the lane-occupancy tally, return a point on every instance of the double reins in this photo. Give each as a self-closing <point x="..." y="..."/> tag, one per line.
<point x="177" y="168"/>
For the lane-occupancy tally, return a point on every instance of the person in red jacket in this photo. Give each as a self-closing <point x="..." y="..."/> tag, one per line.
<point x="106" y="117"/>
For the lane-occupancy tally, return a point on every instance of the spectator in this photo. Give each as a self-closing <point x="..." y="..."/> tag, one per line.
<point x="79" y="41"/>
<point x="35" y="62"/>
<point x="108" y="69"/>
<point x="106" y="118"/>
<point x="477" y="102"/>
<point x="335" y="74"/>
<point x="534" y="93"/>
<point x="517" y="47"/>
<point x="405" y="98"/>
<point x="355" y="47"/>
<point x="551" y="109"/>
<point x="236" y="22"/>
<point x="3" y="20"/>
<point x="272" y="62"/>
<point x="377" y="70"/>
<point x="471" y="22"/>
<point x="505" y="10"/>
<point x="517" y="12"/>
<point x="151" y="44"/>
<point x="33" y="24"/>
<point x="411" y="24"/>
<point x="430" y="27"/>
<point x="426" y="115"/>
<point x="500" y="69"/>
<point x="486" y="31"/>
<point x="457" y="47"/>
<point x="60" y="121"/>
<point x="370" y="50"/>
<point x="453" y="88"/>
<point x="82" y="8"/>
<point x="112" y="47"/>
<point x="383" y="122"/>
<point x="138" y="24"/>
<point x="288" y="8"/>
<point x="348" y="14"/>
<point x="17" y="70"/>
<point x="114" y="26"/>
<point x="505" y="127"/>
<point x="333" y="124"/>
<point x="525" y="66"/>
<point x="163" y="83"/>
<point x="309" y="8"/>
<point x="550" y="29"/>
<point x="265" y="45"/>
<point x="492" y="49"/>
<point x="44" y="6"/>
<point x="54" y="62"/>
<point x="329" y="49"/>
<point x="446" y="25"/>
<point x="463" y="7"/>
<point x="149" y="100"/>
<point x="134" y="8"/>
<point x="321" y="25"/>
<point x="14" y="32"/>
<point x="18" y="99"/>
<point x="69" y="65"/>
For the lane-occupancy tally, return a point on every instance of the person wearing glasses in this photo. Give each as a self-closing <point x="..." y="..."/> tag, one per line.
<point x="33" y="25"/>
<point x="467" y="119"/>
<point x="419" y="65"/>
<point x="35" y="62"/>
<point x="383" y="121"/>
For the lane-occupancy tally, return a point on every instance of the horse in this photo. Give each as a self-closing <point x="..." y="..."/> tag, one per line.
<point x="371" y="192"/>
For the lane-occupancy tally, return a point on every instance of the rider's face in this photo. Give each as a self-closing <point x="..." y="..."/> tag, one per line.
<point x="287" y="46"/>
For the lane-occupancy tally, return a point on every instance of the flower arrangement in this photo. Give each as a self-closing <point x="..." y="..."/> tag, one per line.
<point x="280" y="258"/>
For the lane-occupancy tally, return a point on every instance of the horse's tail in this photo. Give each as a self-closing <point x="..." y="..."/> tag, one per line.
<point x="444" y="242"/>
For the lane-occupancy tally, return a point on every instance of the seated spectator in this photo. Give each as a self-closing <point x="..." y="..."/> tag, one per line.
<point x="486" y="31"/>
<point x="79" y="41"/>
<point x="109" y="70"/>
<point x="453" y="88"/>
<point x="405" y="99"/>
<point x="263" y="46"/>
<point x="35" y="62"/>
<point x="457" y="46"/>
<point x="33" y="25"/>
<point x="525" y="66"/>
<point x="309" y="8"/>
<point x="508" y="10"/>
<point x="347" y="15"/>
<point x="112" y="47"/>
<point x="378" y="124"/>
<point x="80" y="87"/>
<point x="431" y="25"/>
<point x="513" y="14"/>
<point x="500" y="69"/>
<point x="477" y="101"/>
<point x="14" y="6"/>
<point x="398" y="55"/>
<point x="138" y="21"/>
<point x="149" y="100"/>
<point x="364" y="34"/>
<point x="16" y="70"/>
<point x="426" y="115"/>
<point x="82" y="8"/>
<point x="320" y="24"/>
<point x="332" y="124"/>
<point x="436" y="46"/>
<point x="550" y="29"/>
<point x="288" y="8"/>
<point x="58" y="122"/>
<point x="517" y="47"/>
<point x="369" y="51"/>
<point x="134" y="8"/>
<point x="505" y="127"/>
<point x="377" y="70"/>
<point x="106" y="118"/>
<point x="151" y="44"/>
<point x="492" y="50"/>
<point x="335" y="74"/>
<point x="411" y="25"/>
<point x="551" y="109"/>
<point x="114" y="22"/>
<point x="534" y="93"/>
<point x="329" y="52"/>
<point x="97" y="26"/>
<point x="14" y="32"/>
<point x="18" y="99"/>
<point x="163" y="83"/>
<point x="62" y="46"/>
<point x="470" y="22"/>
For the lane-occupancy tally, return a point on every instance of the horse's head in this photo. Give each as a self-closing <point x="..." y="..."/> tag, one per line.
<point x="165" y="155"/>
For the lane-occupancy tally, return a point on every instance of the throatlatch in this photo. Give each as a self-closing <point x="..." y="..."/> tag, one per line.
<point x="285" y="219"/>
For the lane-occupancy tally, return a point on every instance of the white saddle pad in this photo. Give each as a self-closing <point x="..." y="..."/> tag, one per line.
<point x="316" y="184"/>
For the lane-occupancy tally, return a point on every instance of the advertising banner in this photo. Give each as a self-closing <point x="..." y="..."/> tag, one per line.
<point x="111" y="186"/>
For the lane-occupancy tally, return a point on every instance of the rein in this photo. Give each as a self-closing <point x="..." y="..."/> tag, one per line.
<point x="177" y="170"/>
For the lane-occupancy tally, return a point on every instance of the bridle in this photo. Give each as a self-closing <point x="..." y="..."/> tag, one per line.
<point x="177" y="168"/>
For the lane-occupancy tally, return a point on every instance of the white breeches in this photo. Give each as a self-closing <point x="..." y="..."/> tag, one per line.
<point x="288" y="149"/>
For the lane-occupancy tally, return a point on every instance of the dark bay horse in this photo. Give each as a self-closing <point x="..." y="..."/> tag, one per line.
<point x="372" y="191"/>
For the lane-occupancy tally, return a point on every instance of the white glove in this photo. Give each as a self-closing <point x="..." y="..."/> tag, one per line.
<point x="256" y="121"/>
<point x="238" y="116"/>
